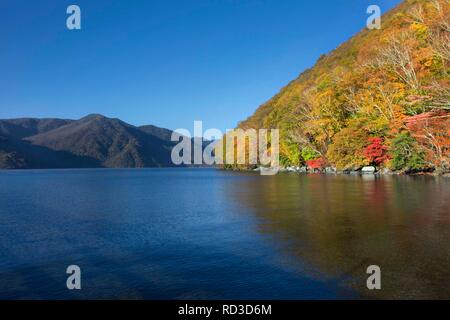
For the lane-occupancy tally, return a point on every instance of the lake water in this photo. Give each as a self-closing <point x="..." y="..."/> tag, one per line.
<point x="210" y="234"/>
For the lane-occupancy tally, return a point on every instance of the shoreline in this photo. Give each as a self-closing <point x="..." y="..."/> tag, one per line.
<point x="288" y="170"/>
<point x="334" y="171"/>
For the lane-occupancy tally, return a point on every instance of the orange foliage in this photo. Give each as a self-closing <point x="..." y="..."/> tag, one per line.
<point x="432" y="131"/>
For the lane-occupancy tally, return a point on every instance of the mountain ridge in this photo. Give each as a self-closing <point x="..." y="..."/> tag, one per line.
<point x="92" y="141"/>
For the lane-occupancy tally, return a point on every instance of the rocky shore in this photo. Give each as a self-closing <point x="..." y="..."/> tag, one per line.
<point x="367" y="170"/>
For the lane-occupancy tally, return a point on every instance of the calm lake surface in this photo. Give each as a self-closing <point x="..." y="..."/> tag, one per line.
<point x="210" y="234"/>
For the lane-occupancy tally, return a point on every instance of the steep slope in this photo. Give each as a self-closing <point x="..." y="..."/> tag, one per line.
<point x="367" y="88"/>
<point x="112" y="142"/>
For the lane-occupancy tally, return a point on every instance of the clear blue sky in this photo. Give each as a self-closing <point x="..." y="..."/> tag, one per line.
<point x="165" y="63"/>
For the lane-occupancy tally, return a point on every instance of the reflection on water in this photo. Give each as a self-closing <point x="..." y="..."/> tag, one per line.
<point x="341" y="224"/>
<point x="203" y="233"/>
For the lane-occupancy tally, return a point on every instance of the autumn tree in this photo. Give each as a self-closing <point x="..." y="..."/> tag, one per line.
<point x="316" y="164"/>
<point x="376" y="152"/>
<point x="432" y="131"/>
<point x="346" y="151"/>
<point x="406" y="154"/>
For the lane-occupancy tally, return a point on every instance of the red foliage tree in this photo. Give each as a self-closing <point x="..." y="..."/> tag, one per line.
<point x="376" y="152"/>
<point x="316" y="163"/>
<point x="432" y="131"/>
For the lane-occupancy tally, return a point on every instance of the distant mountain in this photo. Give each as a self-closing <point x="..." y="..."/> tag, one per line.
<point x="92" y="141"/>
<point x="18" y="154"/>
<point x="25" y="127"/>
<point x="163" y="134"/>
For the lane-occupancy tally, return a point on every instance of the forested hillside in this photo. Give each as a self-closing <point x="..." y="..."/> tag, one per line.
<point x="381" y="98"/>
<point x="92" y="141"/>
